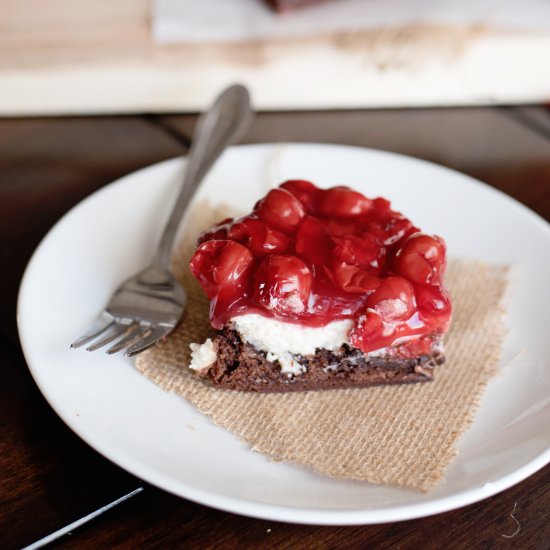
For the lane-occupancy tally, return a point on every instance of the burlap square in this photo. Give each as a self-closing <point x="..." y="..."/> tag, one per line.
<point x="400" y="435"/>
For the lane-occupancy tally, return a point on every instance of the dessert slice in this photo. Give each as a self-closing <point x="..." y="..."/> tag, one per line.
<point x="317" y="289"/>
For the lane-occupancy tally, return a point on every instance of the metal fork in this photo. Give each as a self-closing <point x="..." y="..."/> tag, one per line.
<point x="148" y="305"/>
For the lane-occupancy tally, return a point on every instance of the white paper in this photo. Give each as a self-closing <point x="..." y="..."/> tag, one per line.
<point x="246" y="20"/>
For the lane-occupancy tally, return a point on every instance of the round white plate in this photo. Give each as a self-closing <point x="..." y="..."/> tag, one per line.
<point x="162" y="439"/>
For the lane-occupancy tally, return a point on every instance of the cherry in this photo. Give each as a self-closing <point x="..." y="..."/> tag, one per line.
<point x="385" y="315"/>
<point x="389" y="226"/>
<point x="339" y="227"/>
<point x="282" y="284"/>
<point x="395" y="228"/>
<point x="421" y="258"/>
<point x="354" y="279"/>
<point x="221" y="263"/>
<point x="281" y="209"/>
<point x="363" y="251"/>
<point x="365" y="335"/>
<point x="304" y="191"/>
<point x="380" y="204"/>
<point x="312" y="243"/>
<point x="343" y="202"/>
<point x="394" y="298"/>
<point x="216" y="232"/>
<point x="415" y="347"/>
<point x="434" y="304"/>
<point x="259" y="237"/>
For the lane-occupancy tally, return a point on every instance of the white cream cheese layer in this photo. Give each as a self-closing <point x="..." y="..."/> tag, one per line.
<point x="281" y="338"/>
<point x="202" y="355"/>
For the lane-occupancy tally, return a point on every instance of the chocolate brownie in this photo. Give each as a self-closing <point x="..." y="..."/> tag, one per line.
<point x="240" y="366"/>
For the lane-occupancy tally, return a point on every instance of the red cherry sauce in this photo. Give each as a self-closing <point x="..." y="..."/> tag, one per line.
<point x="311" y="256"/>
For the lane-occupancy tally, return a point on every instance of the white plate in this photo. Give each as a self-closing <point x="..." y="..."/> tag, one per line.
<point x="162" y="439"/>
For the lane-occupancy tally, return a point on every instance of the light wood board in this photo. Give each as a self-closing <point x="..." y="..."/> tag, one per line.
<point x="81" y="56"/>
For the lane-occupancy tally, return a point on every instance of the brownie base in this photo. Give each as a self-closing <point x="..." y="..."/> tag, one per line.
<point x="240" y="366"/>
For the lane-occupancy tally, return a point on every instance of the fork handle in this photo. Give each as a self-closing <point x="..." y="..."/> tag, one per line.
<point x="216" y="129"/>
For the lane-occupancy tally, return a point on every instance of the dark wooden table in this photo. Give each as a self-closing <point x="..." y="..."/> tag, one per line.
<point x="49" y="478"/>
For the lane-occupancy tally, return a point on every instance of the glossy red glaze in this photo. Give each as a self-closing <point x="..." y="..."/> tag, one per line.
<point x="223" y="269"/>
<point x="311" y="256"/>
<point x="259" y="237"/>
<point x="281" y="209"/>
<point x="343" y="202"/>
<point x="421" y="259"/>
<point x="282" y="284"/>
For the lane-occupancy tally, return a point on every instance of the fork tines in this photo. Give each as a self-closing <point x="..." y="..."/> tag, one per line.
<point x="132" y="336"/>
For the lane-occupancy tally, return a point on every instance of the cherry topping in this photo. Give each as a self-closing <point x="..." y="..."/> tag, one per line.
<point x="312" y="256"/>
<point x="395" y="228"/>
<point x="281" y="209"/>
<point x="354" y="279"/>
<point x="312" y="243"/>
<point x="368" y="330"/>
<point x="421" y="258"/>
<point x="218" y="264"/>
<point x="343" y="202"/>
<point x="259" y="237"/>
<point x="360" y="250"/>
<point x="216" y="232"/>
<point x="304" y="191"/>
<point x="380" y="204"/>
<point x="339" y="227"/>
<point x="282" y="284"/>
<point x="394" y="299"/>
<point x="433" y="303"/>
<point x="386" y="314"/>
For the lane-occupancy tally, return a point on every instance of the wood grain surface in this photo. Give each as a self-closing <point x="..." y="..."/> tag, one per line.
<point x="77" y="56"/>
<point x="50" y="478"/>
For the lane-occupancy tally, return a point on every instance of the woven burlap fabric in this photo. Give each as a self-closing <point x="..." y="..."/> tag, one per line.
<point x="398" y="435"/>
